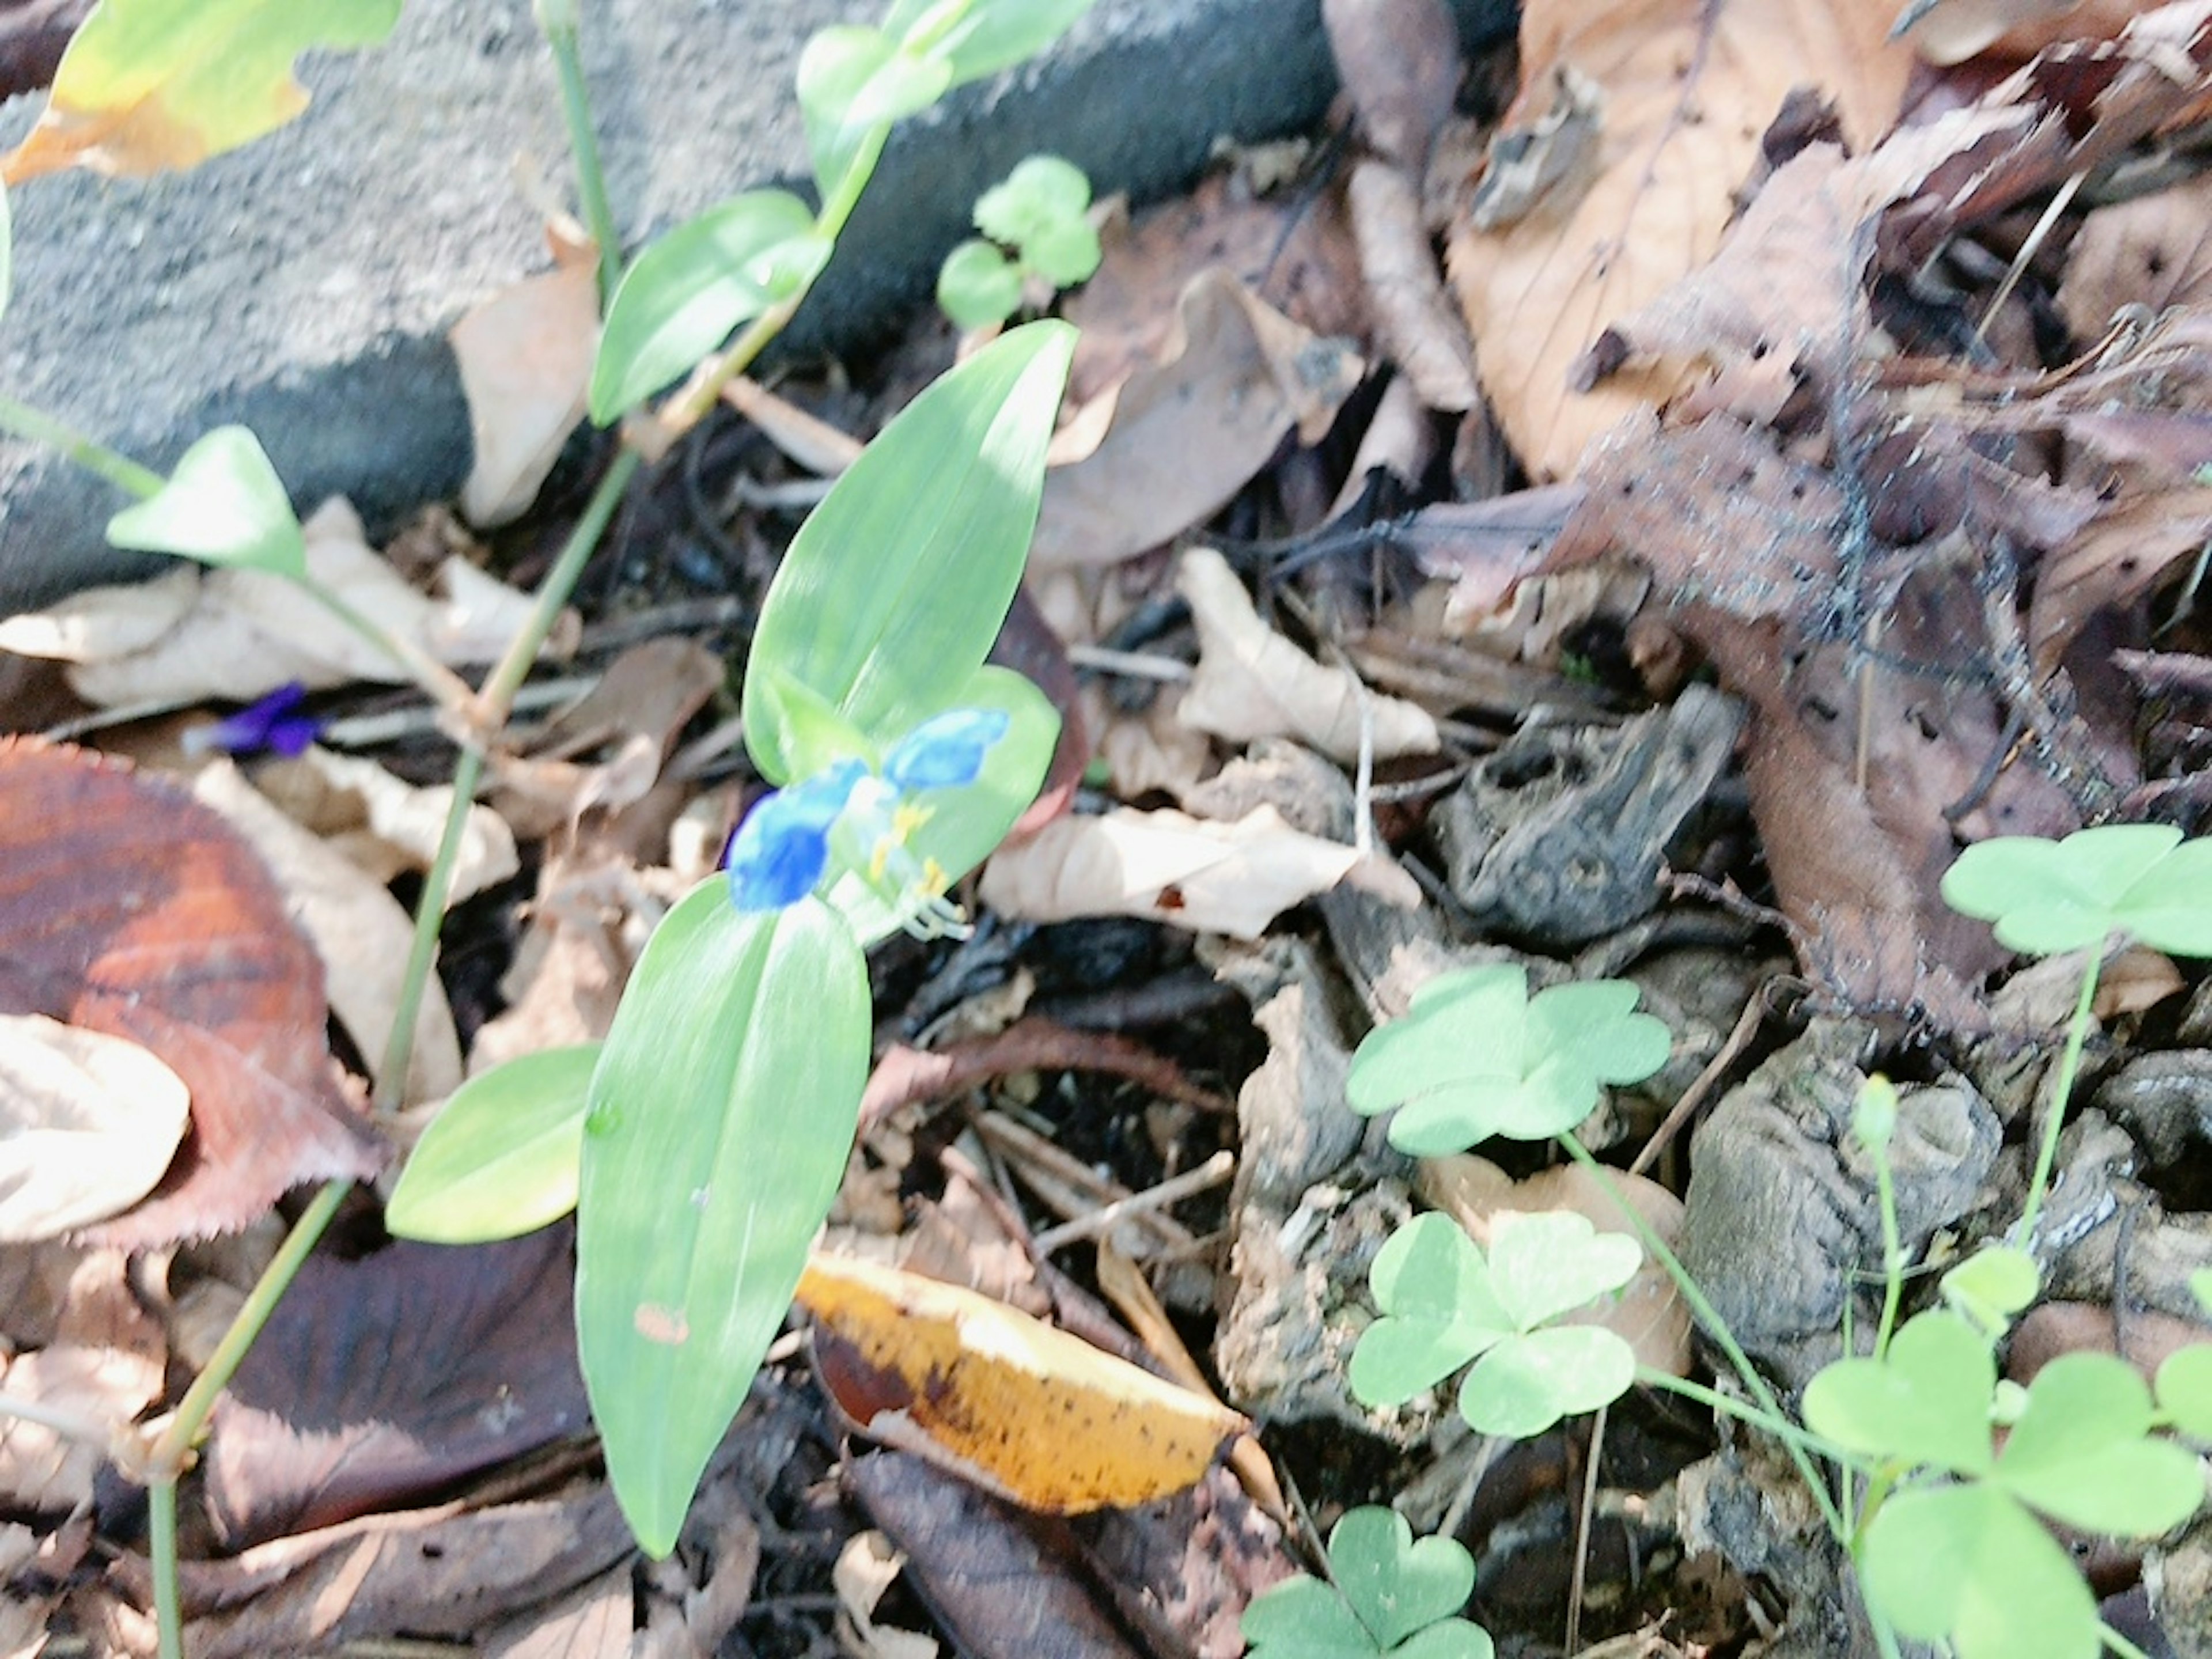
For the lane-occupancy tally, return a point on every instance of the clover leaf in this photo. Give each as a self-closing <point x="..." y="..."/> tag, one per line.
<point x="2045" y="897"/>
<point x="2184" y="1385"/>
<point x="1476" y="1056"/>
<point x="1444" y="1305"/>
<point x="1394" y="1595"/>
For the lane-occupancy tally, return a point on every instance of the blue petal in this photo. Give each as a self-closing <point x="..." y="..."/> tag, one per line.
<point x="947" y="750"/>
<point x="270" y="724"/>
<point x="781" y="848"/>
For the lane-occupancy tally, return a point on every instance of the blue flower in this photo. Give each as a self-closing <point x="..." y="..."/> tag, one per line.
<point x="779" y="854"/>
<point x="270" y="724"/>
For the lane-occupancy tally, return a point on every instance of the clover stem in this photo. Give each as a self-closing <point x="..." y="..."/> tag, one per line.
<point x="1715" y="1326"/>
<point x="2119" y="1644"/>
<point x="1893" y="1253"/>
<point x="1750" y="1416"/>
<point x="422" y="945"/>
<point x="88" y="453"/>
<point x="161" y="1551"/>
<point x="2070" y="1062"/>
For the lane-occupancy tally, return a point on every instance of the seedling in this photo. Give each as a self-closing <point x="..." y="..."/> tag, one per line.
<point x="1394" y="1595"/>
<point x="1039" y="234"/>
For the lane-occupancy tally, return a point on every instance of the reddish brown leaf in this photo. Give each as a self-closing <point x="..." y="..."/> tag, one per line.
<point x="126" y="907"/>
<point x="378" y="1380"/>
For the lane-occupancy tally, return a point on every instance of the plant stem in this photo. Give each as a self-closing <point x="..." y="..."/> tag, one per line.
<point x="1892" y="1253"/>
<point x="1715" y="1326"/>
<point x="560" y="25"/>
<point x="88" y="453"/>
<point x="2046" y="1154"/>
<point x="449" y="690"/>
<point x="422" y="946"/>
<point x="161" y="1545"/>
<point x="71" y="1424"/>
<point x="1722" y="1405"/>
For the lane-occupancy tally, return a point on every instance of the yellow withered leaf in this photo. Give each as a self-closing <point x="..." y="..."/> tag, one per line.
<point x="1037" y="1416"/>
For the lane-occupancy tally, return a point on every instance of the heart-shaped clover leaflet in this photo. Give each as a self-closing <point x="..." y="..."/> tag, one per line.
<point x="1396" y="1584"/>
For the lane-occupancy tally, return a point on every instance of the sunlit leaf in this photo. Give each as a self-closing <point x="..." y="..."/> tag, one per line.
<point x="1927" y="1403"/>
<point x="683" y="295"/>
<point x="223" y="504"/>
<point x="1521" y="1387"/>
<point x="1969" y="1564"/>
<point x="853" y="81"/>
<point x="2045" y="897"/>
<point x="501" y="1157"/>
<point x="2185" y="1389"/>
<point x="152" y="84"/>
<point x="720" y="1115"/>
<point x="1394" y="1595"/>
<point x="2080" y="1452"/>
<point x="985" y="36"/>
<point x="895" y="587"/>
<point x="978" y="286"/>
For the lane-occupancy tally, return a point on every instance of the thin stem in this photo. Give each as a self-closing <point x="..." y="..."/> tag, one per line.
<point x="74" y="1426"/>
<point x="1715" y="1327"/>
<point x="429" y="921"/>
<point x="495" y="700"/>
<point x="560" y="25"/>
<point x="449" y="688"/>
<point x="88" y="453"/>
<point x="1750" y="1416"/>
<point x="2069" y="1063"/>
<point x="1892" y="1253"/>
<point x="161" y="1536"/>
<point x="2119" y="1644"/>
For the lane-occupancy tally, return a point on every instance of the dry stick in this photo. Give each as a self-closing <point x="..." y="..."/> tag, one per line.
<point x="1210" y="1174"/>
<point x="1063" y="1167"/>
<point x="1746" y="1027"/>
<point x="1578" y="1575"/>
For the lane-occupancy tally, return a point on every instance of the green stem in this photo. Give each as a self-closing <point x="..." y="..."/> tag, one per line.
<point x="429" y="921"/>
<point x="1892" y="1253"/>
<point x="1723" y="1405"/>
<point x="1714" y="1325"/>
<point x="560" y="25"/>
<point x="2046" y="1154"/>
<point x="2119" y="1644"/>
<point x="88" y="453"/>
<point x="161" y="1536"/>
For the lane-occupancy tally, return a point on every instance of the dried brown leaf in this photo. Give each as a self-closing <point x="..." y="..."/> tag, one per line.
<point x="525" y="356"/>
<point x="2155" y="251"/>
<point x="104" y="1366"/>
<point x="1414" y="322"/>
<point x="1689" y="88"/>
<point x="87" y="1124"/>
<point x="1399" y="59"/>
<point x="130" y="908"/>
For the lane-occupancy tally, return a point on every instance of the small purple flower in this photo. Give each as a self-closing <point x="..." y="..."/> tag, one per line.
<point x="270" y="726"/>
<point x="779" y="853"/>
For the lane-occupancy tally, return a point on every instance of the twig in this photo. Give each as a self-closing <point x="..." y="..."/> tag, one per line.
<point x="1208" y="1174"/>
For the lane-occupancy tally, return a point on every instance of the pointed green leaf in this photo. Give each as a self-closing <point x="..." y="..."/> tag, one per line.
<point x="1927" y="1403"/>
<point x="152" y="84"/>
<point x="1396" y="1584"/>
<point x="501" y="1155"/>
<point x="965" y="825"/>
<point x="1433" y="1288"/>
<point x="853" y="82"/>
<point x="1970" y="1564"/>
<point x="1553" y="1262"/>
<point x="721" y="1114"/>
<point x="1524" y="1385"/>
<point x="985" y="36"/>
<point x="896" y="585"/>
<point x="2078" y="1452"/>
<point x="224" y="505"/>
<point x="683" y="297"/>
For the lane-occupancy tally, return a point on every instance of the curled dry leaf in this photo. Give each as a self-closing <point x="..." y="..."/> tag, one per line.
<point x="1235" y="378"/>
<point x="1688" y="88"/>
<point x="235" y="634"/>
<point x="525" y="356"/>
<point x="1648" y="1314"/>
<point x="103" y="1365"/>
<point x="361" y="932"/>
<point x="87" y="1124"/>
<point x="1414" y="319"/>
<point x="130" y="908"/>
<point x="1253" y="683"/>
<point x="384" y="824"/>
<point x="1026" y="1411"/>
<point x="1211" y="877"/>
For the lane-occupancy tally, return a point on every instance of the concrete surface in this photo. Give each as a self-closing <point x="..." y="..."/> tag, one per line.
<point x="302" y="284"/>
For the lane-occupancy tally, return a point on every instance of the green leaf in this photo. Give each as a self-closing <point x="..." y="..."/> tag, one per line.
<point x="152" y="84"/>
<point x="854" y="81"/>
<point x="896" y="585"/>
<point x="501" y="1155"/>
<point x="1040" y="191"/>
<point x="1396" y="1584"/>
<point x="1439" y="1311"/>
<point x="1927" y="1403"/>
<point x="2185" y="1389"/>
<point x="2045" y="897"/>
<point x="1991" y="1286"/>
<point x="1065" y="253"/>
<point x="1394" y="1595"/>
<point x="2200" y="1285"/>
<point x="1522" y="1387"/>
<point x="2080" y="1454"/>
<point x="721" y="1114"/>
<point x="688" y="291"/>
<point x="977" y="287"/>
<point x="1475" y="1056"/>
<point x="1968" y="1564"/>
<point x="1553" y="1262"/>
<point x="965" y="825"/>
<point x="224" y="505"/>
<point x="985" y="36"/>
